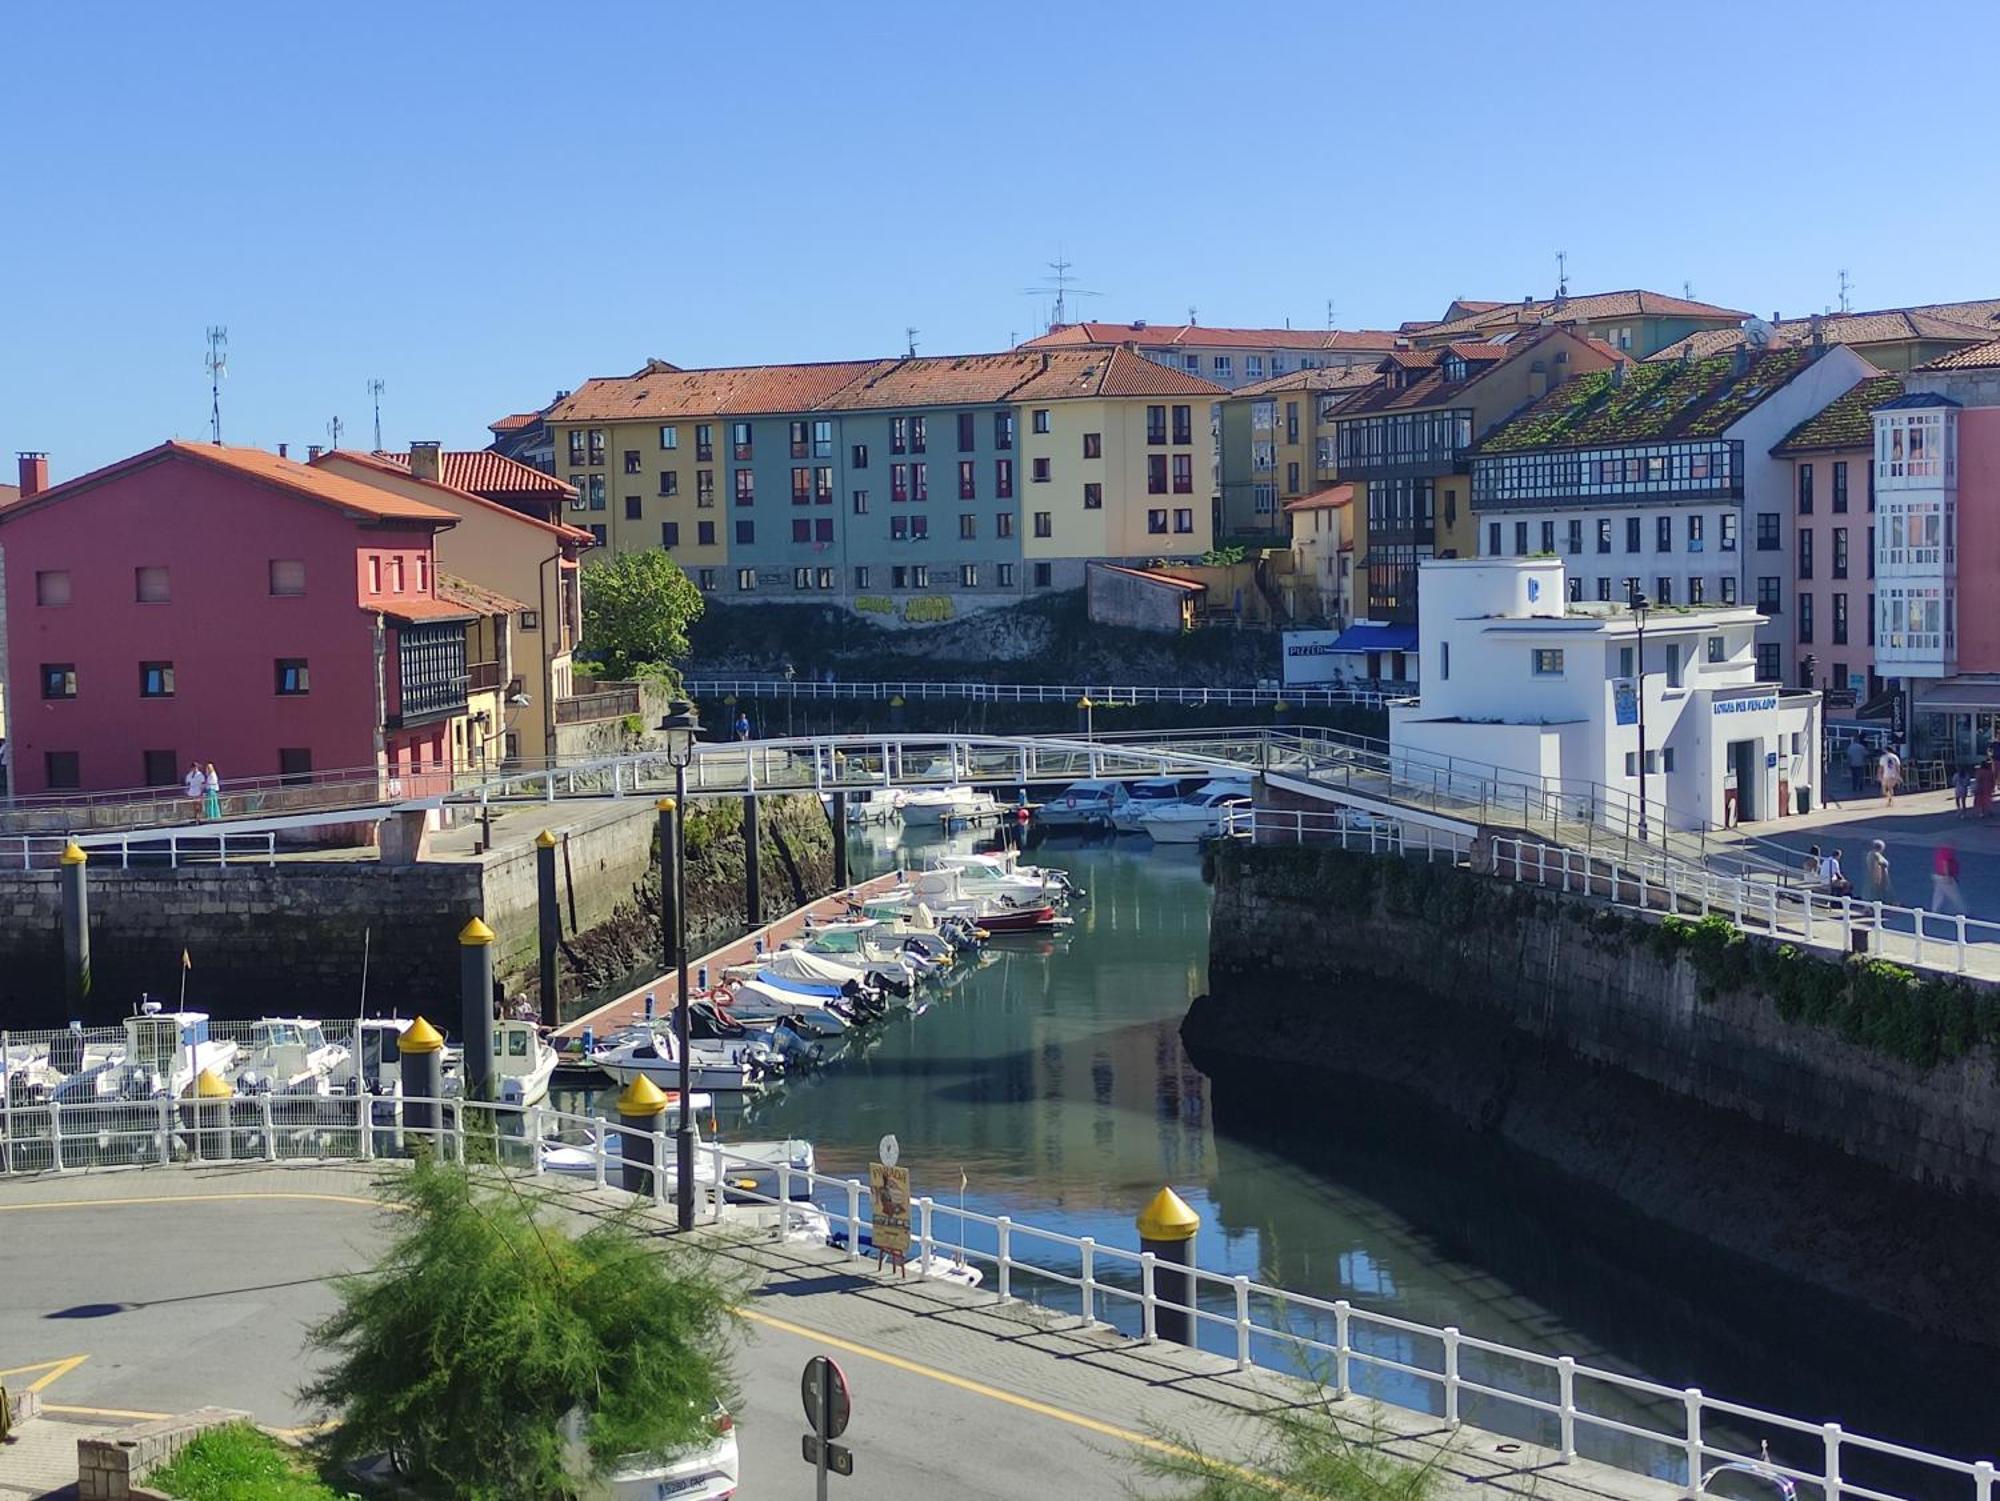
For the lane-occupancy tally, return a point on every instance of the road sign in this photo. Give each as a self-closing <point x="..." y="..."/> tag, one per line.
<point x="839" y="1458"/>
<point x="888" y="1150"/>
<point x="823" y="1390"/>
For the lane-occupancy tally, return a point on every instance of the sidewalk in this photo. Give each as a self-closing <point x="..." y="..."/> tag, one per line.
<point x="42" y="1459"/>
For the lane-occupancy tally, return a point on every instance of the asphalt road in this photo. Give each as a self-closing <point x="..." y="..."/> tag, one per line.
<point x="180" y="1304"/>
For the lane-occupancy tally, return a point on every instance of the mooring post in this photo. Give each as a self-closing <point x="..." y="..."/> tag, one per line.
<point x="1167" y="1232"/>
<point x="753" y="882"/>
<point x="548" y="910"/>
<point x="640" y="1106"/>
<point x="76" y="927"/>
<point x="839" y="812"/>
<point x="421" y="1054"/>
<point x="475" y="1000"/>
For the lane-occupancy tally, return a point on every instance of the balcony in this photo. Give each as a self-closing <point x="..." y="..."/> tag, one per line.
<point x="609" y="701"/>
<point x="482" y="677"/>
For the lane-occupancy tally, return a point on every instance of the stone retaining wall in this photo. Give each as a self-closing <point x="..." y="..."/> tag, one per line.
<point x="111" y="1468"/>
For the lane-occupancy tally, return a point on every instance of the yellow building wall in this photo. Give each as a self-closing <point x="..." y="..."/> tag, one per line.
<point x="1119" y="528"/>
<point x="1457" y="528"/>
<point x="625" y="534"/>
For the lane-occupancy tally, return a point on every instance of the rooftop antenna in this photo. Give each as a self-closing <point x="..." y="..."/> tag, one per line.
<point x="910" y="333"/>
<point x="334" y="430"/>
<point x="1846" y="286"/>
<point x="1060" y="283"/>
<point x="375" y="389"/>
<point x="1192" y="320"/>
<point x="217" y="365"/>
<point x="1562" y="273"/>
<point x="1687" y="290"/>
<point x="1329" y="312"/>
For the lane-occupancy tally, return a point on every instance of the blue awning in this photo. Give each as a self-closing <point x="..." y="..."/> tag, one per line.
<point x="1377" y="638"/>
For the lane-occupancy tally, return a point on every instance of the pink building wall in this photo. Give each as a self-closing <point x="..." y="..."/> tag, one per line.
<point x="1979" y="539"/>
<point x="222" y="629"/>
<point x="1857" y="654"/>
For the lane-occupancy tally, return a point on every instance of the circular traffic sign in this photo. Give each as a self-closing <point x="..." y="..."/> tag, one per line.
<point x="823" y="1390"/>
<point x="887" y="1150"/>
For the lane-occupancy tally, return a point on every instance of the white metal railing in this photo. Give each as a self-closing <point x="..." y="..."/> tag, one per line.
<point x="1348" y="829"/>
<point x="1100" y="694"/>
<point x="1950" y="941"/>
<point x="218" y="845"/>
<point x="1613" y="1417"/>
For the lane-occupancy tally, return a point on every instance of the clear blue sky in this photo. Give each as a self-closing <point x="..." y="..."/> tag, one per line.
<point x="480" y="204"/>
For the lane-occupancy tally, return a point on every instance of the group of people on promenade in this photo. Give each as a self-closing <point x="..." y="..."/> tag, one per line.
<point x="204" y="790"/>
<point x="1828" y="871"/>
<point x="1973" y="786"/>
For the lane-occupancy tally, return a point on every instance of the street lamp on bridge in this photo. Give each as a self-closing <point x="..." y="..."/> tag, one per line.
<point x="680" y="726"/>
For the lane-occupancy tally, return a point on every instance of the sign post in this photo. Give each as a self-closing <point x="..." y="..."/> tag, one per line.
<point x="823" y="1391"/>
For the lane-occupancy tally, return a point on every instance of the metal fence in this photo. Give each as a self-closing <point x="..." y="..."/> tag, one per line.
<point x="1101" y="695"/>
<point x="1612" y="1417"/>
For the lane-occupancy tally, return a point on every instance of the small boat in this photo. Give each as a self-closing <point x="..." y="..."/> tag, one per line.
<point x="576" y="1153"/>
<point x="290" y="1055"/>
<point x="523" y="1062"/>
<point x="935" y="1267"/>
<point x="164" y="1053"/>
<point x="717" y="1066"/>
<point x="1149" y="795"/>
<point x="814" y="964"/>
<point x="876" y="805"/>
<point x="1200" y="817"/>
<point x="932" y="803"/>
<point x="1089" y="804"/>
<point x="1003" y="870"/>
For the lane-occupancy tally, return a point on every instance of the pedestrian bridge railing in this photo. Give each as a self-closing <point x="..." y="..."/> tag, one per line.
<point x="1578" y="1409"/>
<point x="1099" y="694"/>
<point x="1797" y="913"/>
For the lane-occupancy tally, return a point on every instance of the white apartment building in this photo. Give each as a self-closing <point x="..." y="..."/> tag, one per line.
<point x="1516" y="675"/>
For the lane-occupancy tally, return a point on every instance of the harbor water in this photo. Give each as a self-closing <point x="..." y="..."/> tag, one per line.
<point x="1050" y="1081"/>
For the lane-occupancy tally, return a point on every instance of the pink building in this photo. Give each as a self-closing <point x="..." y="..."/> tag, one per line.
<point x="196" y="602"/>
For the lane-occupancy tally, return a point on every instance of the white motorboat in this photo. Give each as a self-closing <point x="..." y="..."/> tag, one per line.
<point x="809" y="963"/>
<point x="164" y="1053"/>
<point x="576" y="1152"/>
<point x="722" y="1067"/>
<point x="759" y="1000"/>
<point x="1003" y="870"/>
<point x="1149" y="795"/>
<point x="523" y="1062"/>
<point x="290" y="1055"/>
<point x="932" y="803"/>
<point x="875" y="804"/>
<point x="871" y="947"/>
<point x="1090" y="803"/>
<point x="1199" y="818"/>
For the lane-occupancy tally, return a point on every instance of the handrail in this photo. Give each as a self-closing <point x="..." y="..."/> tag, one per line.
<point x="1316" y="1332"/>
<point x="1100" y="694"/>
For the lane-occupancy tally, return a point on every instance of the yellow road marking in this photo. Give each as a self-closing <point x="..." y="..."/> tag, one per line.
<point x="191" y="1199"/>
<point x="107" y="1412"/>
<point x="55" y="1369"/>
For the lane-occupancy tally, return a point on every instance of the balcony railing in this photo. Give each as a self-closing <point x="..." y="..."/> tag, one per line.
<point x="482" y="676"/>
<point x="610" y="701"/>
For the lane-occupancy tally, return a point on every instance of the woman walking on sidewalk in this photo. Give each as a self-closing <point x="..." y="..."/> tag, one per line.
<point x="1982" y="790"/>
<point x="1879" y="887"/>
<point x="1890" y="770"/>
<point x="211" y="794"/>
<point x="1944" y="879"/>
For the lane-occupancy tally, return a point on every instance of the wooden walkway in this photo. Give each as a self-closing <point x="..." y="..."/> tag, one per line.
<point x="630" y="1008"/>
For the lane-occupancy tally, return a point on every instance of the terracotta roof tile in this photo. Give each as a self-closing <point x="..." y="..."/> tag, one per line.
<point x="9" y="494"/>
<point x="415" y="610"/>
<point x="1202" y="336"/>
<point x="485" y="472"/>
<point x="1332" y="498"/>
<point x="461" y="591"/>
<point x="1411" y="359"/>
<point x="1846" y="421"/>
<point x="1984" y="312"/>
<point x="1978" y="357"/>
<point x="513" y="422"/>
<point x="1320" y="378"/>
<point x="937" y="380"/>
<point x="1584" y="309"/>
<point x="741" y="390"/>
<point x="382" y="464"/>
<point x="1649" y="403"/>
<point x="1114" y="372"/>
<point x="1888" y="326"/>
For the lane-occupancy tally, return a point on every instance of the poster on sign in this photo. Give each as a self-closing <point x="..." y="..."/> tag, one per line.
<point x="1310" y="657"/>
<point x="1625" y="696"/>
<point x="889" y="1193"/>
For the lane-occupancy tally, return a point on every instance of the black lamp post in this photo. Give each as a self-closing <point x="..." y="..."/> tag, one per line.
<point x="1640" y="604"/>
<point x="681" y="727"/>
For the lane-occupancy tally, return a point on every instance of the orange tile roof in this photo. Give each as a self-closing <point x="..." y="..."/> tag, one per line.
<point x="1109" y="372"/>
<point x="1153" y="576"/>
<point x="9" y="494"/>
<point x="462" y="591"/>
<point x="1320" y="378"/>
<point x="1202" y="336"/>
<point x="937" y="380"/>
<point x="382" y="464"/>
<point x="513" y="422"/>
<point x="352" y="496"/>
<point x="741" y="390"/>
<point x="1978" y="357"/>
<point x="484" y="472"/>
<point x="421" y="609"/>
<point x="1332" y="498"/>
<point x="1630" y="304"/>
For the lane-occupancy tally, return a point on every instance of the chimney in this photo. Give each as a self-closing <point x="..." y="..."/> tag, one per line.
<point x="1617" y="375"/>
<point x="1741" y="363"/>
<point x="1776" y="316"/>
<point x="1818" y="332"/>
<point x="313" y="451"/>
<point x="284" y="450"/>
<point x="424" y="461"/>
<point x="34" y="473"/>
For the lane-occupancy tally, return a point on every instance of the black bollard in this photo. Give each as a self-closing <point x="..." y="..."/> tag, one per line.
<point x="640" y="1106"/>
<point x="1167" y="1229"/>
<point x="549" y="910"/>
<point x="76" y="928"/>
<point x="753" y="882"/>
<point x="669" y="835"/>
<point x="475" y="1000"/>
<point x="839" y="810"/>
<point x="421" y="1051"/>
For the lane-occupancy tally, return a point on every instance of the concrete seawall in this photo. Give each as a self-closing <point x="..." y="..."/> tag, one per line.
<point x="1556" y="1025"/>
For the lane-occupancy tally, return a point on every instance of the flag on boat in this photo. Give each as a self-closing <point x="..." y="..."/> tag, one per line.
<point x="961" y="1180"/>
<point x="186" y="962"/>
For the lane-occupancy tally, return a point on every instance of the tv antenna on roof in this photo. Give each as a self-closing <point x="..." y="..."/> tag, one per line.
<point x="1329" y="312"/>
<point x="1846" y="286"/>
<point x="910" y="333"/>
<point x="1059" y="283"/>
<point x="1562" y="273"/>
<point x="376" y="387"/>
<point x="217" y="365"/>
<point x="1687" y="290"/>
<point x="334" y="429"/>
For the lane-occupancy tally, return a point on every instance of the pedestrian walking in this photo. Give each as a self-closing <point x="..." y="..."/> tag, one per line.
<point x="1813" y="869"/>
<point x="195" y="784"/>
<point x="1982" y="790"/>
<point x="1944" y="880"/>
<point x="1836" y="874"/>
<point x="742" y="726"/>
<point x="1890" y="770"/>
<point x="1857" y="765"/>
<point x="1880" y="889"/>
<point x="1961" y="788"/>
<point x="211" y="793"/>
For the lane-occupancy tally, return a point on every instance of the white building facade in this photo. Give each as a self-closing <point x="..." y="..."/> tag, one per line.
<point x="1519" y="677"/>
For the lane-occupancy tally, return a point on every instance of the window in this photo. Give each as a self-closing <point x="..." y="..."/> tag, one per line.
<point x="531" y="620"/>
<point x="52" y="587"/>
<point x="670" y="534"/>
<point x="822" y="440"/>
<point x="1729" y="588"/>
<point x="1695" y="590"/>
<point x="705" y="580"/>
<point x="1003" y="575"/>
<point x="1039" y="473"/>
<point x="670" y="438"/>
<point x="59" y="680"/>
<point x="920" y="576"/>
<point x="1184" y="520"/>
<point x="1224" y="366"/>
<point x="576" y="445"/>
<point x="1291" y="423"/>
<point x="1631" y="534"/>
<point x="739" y="440"/>
<point x="860" y="502"/>
<point x="857" y="456"/>
<point x="1044" y="524"/>
<point x="704" y="443"/>
<point x="801" y="442"/>
<point x="1548" y="536"/>
<point x="1253" y="367"/>
<point x="1663" y="590"/>
<point x="1492" y="539"/>
<point x="968" y="483"/>
<point x="968" y="432"/>
<point x="1728" y="543"/>
<point x="704" y="489"/>
<point x="150" y="586"/>
<point x="1045" y="572"/>
<point x="1575" y="537"/>
<point x="156" y="680"/>
<point x="1548" y="662"/>
<point x="1575" y="587"/>
<point x="670" y="482"/>
<point x="802" y="578"/>
<point x="1840" y="487"/>
<point x="746" y="533"/>
<point x="1604" y="535"/>
<point x="1667" y="760"/>
<point x="1093" y="496"/>
<point x="1805" y="552"/>
<point x="899" y="577"/>
<point x="1717" y="649"/>
<point x="1871" y="549"/>
<point x="899" y="484"/>
<point x="1663" y="534"/>
<point x="899" y="528"/>
<point x="62" y="771"/>
<point x="1805" y="489"/>
<point x="1840" y="552"/>
<point x="1039" y="419"/>
<point x="1093" y="445"/>
<point x="161" y="768"/>
<point x="1520" y="539"/>
<point x="634" y="511"/>
<point x="916" y="435"/>
<point x="1156" y="474"/>
<point x="746" y="580"/>
<point x="293" y="679"/>
<point x="1768" y="523"/>
<point x="1805" y="619"/>
<point x="1003" y="478"/>
<point x="1156" y="424"/>
<point x="899" y="435"/>
<point x="920" y="528"/>
<point x="1444" y="661"/>
<point x="597" y="445"/>
<point x="746" y="487"/>
<point x="823" y="485"/>
<point x="1184" y="474"/>
<point x="1003" y="430"/>
<point x="802" y="490"/>
<point x="968" y="527"/>
<point x="1673" y="664"/>
<point x="288" y="576"/>
<point x="861" y="576"/>
<point x="1628" y="590"/>
<point x="1768" y="588"/>
<point x="597" y="534"/>
<point x="1184" y="425"/>
<point x="968" y="575"/>
<point x="802" y="529"/>
<point x="1003" y="524"/>
<point x="1871" y="619"/>
<point x="1156" y="523"/>
<point x="1625" y="660"/>
<point x="1839" y="626"/>
<point x="704" y="533"/>
<point x="631" y="461"/>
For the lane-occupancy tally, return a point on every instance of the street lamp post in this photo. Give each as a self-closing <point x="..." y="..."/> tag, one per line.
<point x="681" y="727"/>
<point x="791" y="696"/>
<point x="1640" y="605"/>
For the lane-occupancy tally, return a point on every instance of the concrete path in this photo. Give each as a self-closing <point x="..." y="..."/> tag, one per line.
<point x="184" y="1287"/>
<point x="41" y="1462"/>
